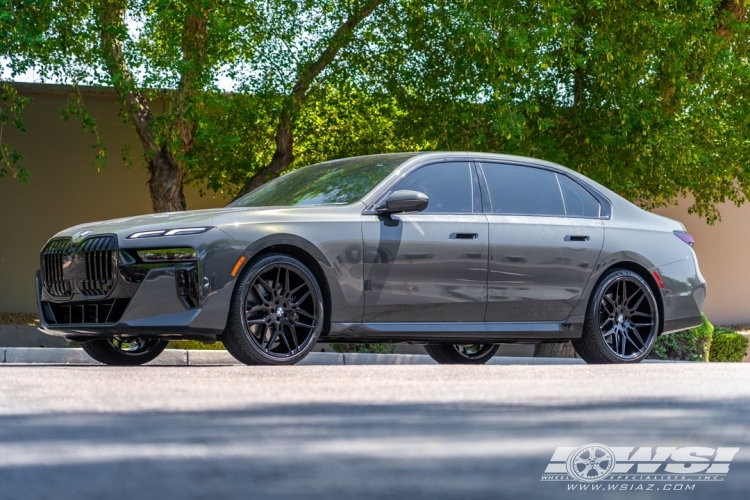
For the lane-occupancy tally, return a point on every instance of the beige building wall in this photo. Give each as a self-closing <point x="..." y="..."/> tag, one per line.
<point x="66" y="190"/>
<point x="724" y="257"/>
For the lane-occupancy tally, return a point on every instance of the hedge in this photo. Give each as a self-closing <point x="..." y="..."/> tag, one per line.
<point x="690" y="345"/>
<point x="366" y="348"/>
<point x="728" y="345"/>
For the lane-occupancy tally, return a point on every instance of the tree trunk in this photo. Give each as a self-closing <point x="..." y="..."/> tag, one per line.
<point x="281" y="160"/>
<point x="283" y="157"/>
<point x="555" y="350"/>
<point x="165" y="182"/>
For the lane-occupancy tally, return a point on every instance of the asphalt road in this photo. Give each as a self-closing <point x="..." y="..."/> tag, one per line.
<point x="329" y="432"/>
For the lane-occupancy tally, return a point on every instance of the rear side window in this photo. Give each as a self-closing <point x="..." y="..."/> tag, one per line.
<point x="448" y="185"/>
<point x="517" y="190"/>
<point x="578" y="201"/>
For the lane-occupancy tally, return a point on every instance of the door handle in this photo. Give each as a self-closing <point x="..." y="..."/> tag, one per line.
<point x="577" y="238"/>
<point x="464" y="236"/>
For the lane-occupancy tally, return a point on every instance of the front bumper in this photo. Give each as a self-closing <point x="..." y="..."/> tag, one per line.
<point x="166" y="300"/>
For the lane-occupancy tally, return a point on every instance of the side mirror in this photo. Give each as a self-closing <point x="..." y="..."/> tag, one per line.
<point x="404" y="201"/>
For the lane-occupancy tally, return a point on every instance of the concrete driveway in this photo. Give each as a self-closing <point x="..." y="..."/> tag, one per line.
<point x="328" y="432"/>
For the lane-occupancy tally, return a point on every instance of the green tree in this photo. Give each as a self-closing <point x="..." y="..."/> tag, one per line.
<point x="11" y="105"/>
<point x="650" y="99"/>
<point x="175" y="51"/>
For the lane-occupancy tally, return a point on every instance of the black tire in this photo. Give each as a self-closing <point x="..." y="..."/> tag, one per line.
<point x="126" y="352"/>
<point x="622" y="320"/>
<point x="266" y="309"/>
<point x="461" y="354"/>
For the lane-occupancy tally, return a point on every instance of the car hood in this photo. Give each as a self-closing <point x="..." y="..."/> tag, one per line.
<point x="166" y="220"/>
<point x="218" y="217"/>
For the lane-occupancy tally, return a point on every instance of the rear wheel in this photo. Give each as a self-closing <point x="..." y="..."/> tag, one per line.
<point x="622" y="320"/>
<point x="124" y="352"/>
<point x="461" y="354"/>
<point x="277" y="313"/>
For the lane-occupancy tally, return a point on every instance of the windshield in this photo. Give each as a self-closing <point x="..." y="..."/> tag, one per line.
<point x="337" y="182"/>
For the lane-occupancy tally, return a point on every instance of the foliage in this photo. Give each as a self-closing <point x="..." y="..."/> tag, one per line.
<point x="235" y="138"/>
<point x="728" y="345"/>
<point x="195" y="345"/>
<point x="688" y="345"/>
<point x="11" y="105"/>
<point x="364" y="348"/>
<point x="651" y="99"/>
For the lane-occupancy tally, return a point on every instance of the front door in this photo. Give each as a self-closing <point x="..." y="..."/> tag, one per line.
<point x="429" y="266"/>
<point x="545" y="237"/>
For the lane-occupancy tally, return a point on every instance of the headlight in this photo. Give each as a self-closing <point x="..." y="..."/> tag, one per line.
<point x="168" y="255"/>
<point x="170" y="232"/>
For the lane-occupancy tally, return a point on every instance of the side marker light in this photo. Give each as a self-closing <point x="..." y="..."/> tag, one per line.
<point x="238" y="265"/>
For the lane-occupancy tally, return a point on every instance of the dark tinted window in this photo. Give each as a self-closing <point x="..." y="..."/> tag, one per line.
<point x="523" y="190"/>
<point x="448" y="185"/>
<point x="578" y="201"/>
<point x="337" y="182"/>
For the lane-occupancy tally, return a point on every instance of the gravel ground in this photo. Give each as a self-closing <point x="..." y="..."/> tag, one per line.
<point x="328" y="432"/>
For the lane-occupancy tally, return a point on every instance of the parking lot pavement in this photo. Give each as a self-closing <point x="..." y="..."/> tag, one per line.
<point x="328" y="432"/>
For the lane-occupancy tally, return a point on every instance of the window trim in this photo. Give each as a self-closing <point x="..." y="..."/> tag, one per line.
<point x="605" y="206"/>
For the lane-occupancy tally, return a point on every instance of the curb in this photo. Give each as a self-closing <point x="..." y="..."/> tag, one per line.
<point x="181" y="357"/>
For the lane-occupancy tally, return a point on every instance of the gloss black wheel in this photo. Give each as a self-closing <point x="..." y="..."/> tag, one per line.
<point x="277" y="312"/>
<point x="461" y="354"/>
<point x="124" y="352"/>
<point x="622" y="321"/>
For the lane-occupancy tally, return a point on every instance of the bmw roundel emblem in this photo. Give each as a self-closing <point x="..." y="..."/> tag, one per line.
<point x="84" y="234"/>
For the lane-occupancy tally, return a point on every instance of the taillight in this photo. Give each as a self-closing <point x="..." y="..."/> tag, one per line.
<point x="684" y="236"/>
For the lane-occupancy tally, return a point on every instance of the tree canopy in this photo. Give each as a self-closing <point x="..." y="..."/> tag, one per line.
<point x="652" y="99"/>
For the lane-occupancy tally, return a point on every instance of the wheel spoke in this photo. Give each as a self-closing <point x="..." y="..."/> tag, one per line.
<point x="256" y="321"/>
<point x="638" y="325"/>
<point x="302" y="299"/>
<point x="293" y="332"/>
<point x="284" y="339"/>
<point x="638" y="336"/>
<point x="297" y="289"/>
<point x="637" y="291"/>
<point x="607" y="334"/>
<point x="638" y="313"/>
<point x="297" y="323"/>
<point x="266" y="286"/>
<point x="304" y="313"/>
<point x="255" y="308"/>
<point x="272" y="338"/>
<point x="612" y="303"/>
<point x="637" y="304"/>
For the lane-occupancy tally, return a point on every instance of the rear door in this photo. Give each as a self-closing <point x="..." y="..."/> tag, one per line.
<point x="429" y="266"/>
<point x="545" y="237"/>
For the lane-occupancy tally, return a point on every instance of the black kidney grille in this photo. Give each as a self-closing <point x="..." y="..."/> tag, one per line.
<point x="54" y="255"/>
<point x="100" y="257"/>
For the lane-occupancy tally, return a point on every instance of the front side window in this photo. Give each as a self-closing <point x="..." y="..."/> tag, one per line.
<point x="337" y="182"/>
<point x="517" y="190"/>
<point x="447" y="185"/>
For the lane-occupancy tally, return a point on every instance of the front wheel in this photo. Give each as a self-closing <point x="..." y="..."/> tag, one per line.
<point x="461" y="354"/>
<point x="276" y="314"/>
<point x="124" y="352"/>
<point x="622" y="320"/>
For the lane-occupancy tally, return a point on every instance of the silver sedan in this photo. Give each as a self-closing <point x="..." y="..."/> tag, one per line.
<point x="458" y="251"/>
